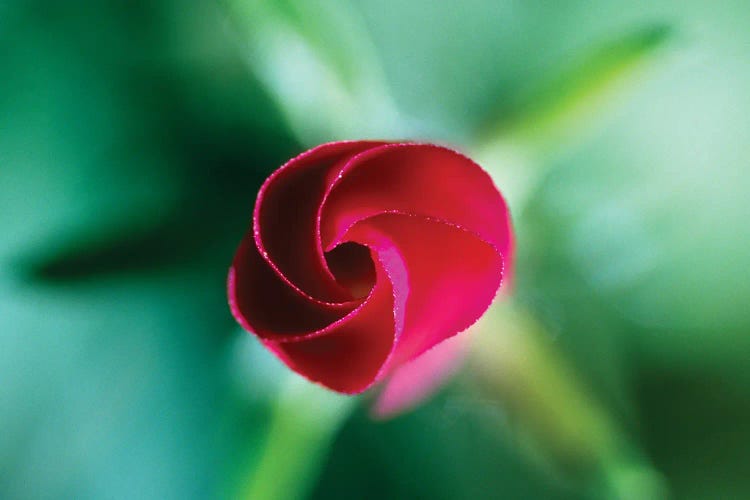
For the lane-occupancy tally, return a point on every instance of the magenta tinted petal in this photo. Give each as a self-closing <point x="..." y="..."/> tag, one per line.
<point x="451" y="276"/>
<point x="418" y="379"/>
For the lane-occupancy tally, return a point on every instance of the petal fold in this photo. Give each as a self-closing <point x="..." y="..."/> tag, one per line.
<point x="349" y="358"/>
<point x="285" y="219"/>
<point x="450" y="277"/>
<point x="420" y="179"/>
<point x="366" y="258"/>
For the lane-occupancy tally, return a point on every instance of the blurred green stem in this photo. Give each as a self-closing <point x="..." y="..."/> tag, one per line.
<point x="304" y="422"/>
<point x="556" y="413"/>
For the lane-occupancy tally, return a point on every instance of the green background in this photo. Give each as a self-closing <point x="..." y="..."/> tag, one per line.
<point x="134" y="137"/>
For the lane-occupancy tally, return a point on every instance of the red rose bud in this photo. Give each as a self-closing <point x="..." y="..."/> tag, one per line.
<point x="365" y="255"/>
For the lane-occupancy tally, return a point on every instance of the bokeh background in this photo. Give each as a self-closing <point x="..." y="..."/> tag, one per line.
<point x="134" y="136"/>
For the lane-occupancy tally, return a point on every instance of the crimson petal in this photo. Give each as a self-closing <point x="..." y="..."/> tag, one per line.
<point x="364" y="255"/>
<point x="285" y="219"/>
<point x="421" y="179"/>
<point x="349" y="358"/>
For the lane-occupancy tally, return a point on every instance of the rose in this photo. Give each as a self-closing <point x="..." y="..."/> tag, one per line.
<point x="364" y="255"/>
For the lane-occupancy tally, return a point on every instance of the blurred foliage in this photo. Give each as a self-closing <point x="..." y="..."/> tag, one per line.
<point x="133" y="138"/>
<point x="577" y="92"/>
<point x="317" y="61"/>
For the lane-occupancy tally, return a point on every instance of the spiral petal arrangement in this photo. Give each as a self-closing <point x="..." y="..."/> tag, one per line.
<point x="363" y="255"/>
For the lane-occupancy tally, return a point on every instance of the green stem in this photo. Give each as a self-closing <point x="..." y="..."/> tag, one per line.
<point x="304" y="422"/>
<point x="556" y="413"/>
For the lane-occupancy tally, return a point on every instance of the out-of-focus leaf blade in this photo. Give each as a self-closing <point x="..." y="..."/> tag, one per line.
<point x="561" y="105"/>
<point x="316" y="59"/>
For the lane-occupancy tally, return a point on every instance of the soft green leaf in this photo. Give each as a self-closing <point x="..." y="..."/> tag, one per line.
<point x="567" y="100"/>
<point x="316" y="59"/>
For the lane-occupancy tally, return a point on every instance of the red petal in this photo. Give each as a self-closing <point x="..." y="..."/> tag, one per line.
<point x="420" y="179"/>
<point x="437" y="225"/>
<point x="451" y="277"/>
<point x="262" y="302"/>
<point x="349" y="358"/>
<point x="286" y="216"/>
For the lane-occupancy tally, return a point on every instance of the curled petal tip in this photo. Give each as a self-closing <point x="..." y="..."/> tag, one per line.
<point x="418" y="379"/>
